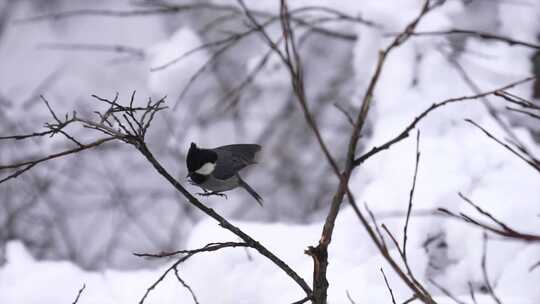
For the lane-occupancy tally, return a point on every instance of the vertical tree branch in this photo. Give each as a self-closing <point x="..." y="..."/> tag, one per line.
<point x="411" y="194"/>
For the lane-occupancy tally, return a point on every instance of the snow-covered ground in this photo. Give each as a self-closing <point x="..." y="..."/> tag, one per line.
<point x="237" y="276"/>
<point x="455" y="157"/>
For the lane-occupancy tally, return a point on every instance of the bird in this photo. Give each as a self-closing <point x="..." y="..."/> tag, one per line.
<point x="216" y="170"/>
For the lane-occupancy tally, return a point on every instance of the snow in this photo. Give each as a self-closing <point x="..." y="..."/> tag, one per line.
<point x="455" y="157"/>
<point x="231" y="276"/>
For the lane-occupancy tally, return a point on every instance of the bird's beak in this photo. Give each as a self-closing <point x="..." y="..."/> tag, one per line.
<point x="189" y="179"/>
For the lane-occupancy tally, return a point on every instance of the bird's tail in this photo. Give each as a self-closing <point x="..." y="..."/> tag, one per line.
<point x="250" y="190"/>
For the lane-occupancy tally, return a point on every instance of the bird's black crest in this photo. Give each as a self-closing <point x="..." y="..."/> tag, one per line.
<point x="197" y="157"/>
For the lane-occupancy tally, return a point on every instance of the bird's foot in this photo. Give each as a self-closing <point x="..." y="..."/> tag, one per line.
<point x="210" y="193"/>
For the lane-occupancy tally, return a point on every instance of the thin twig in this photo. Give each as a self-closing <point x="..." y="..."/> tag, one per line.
<point x="534" y="266"/>
<point x="503" y="229"/>
<point x="388" y="286"/>
<point x="485" y="213"/>
<point x="186" y="286"/>
<point x="512" y="98"/>
<point x="304" y="300"/>
<point x="376" y="225"/>
<point x="411" y="194"/>
<point x="114" y="48"/>
<point x="481" y="35"/>
<point x="409" y="300"/>
<point x="471" y="292"/>
<point x="79" y="294"/>
<point x="446" y="292"/>
<point x="492" y="111"/>
<point x="533" y="115"/>
<point x="405" y="133"/>
<point x="27" y="165"/>
<point x="189" y="253"/>
<point x="206" y="248"/>
<point x="490" y="290"/>
<point x="530" y="162"/>
<point x="349" y="297"/>
<point x="345" y="113"/>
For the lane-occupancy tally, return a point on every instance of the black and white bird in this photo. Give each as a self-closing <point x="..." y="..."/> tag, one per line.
<point x="216" y="170"/>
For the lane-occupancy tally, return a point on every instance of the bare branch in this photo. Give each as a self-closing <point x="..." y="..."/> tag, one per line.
<point x="134" y="122"/>
<point x="490" y="290"/>
<point x="388" y="286"/>
<point x="411" y="194"/>
<point x="79" y="294"/>
<point x="291" y="59"/>
<point x="222" y="221"/>
<point x="492" y="111"/>
<point x="446" y="292"/>
<point x="25" y="136"/>
<point x="190" y="253"/>
<point x="126" y="13"/>
<point x="405" y="133"/>
<point x="376" y="225"/>
<point x="485" y="213"/>
<point x="24" y="166"/>
<point x="349" y="297"/>
<point x="533" y="115"/>
<point x="185" y="285"/>
<point x="481" y="35"/>
<point x="409" y="278"/>
<point x="345" y="113"/>
<point x="530" y="162"/>
<point x="207" y="248"/>
<point x="503" y="229"/>
<point x="114" y="48"/>
<point x="522" y="102"/>
<point x="534" y="266"/>
<point x="471" y="292"/>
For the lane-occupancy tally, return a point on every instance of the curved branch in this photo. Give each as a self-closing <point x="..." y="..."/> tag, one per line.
<point x="405" y="133"/>
<point x="27" y="165"/>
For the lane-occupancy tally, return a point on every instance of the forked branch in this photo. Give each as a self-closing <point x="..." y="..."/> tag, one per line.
<point x="129" y="124"/>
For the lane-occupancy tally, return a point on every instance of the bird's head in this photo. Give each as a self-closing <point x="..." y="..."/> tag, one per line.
<point x="200" y="161"/>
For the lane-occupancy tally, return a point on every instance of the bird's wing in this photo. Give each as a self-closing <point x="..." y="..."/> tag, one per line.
<point x="245" y="151"/>
<point x="233" y="158"/>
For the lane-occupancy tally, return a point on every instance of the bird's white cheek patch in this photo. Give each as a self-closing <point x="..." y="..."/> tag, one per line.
<point x="206" y="169"/>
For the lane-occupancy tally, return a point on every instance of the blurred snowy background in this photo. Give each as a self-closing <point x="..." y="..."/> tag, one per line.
<point x="77" y="220"/>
